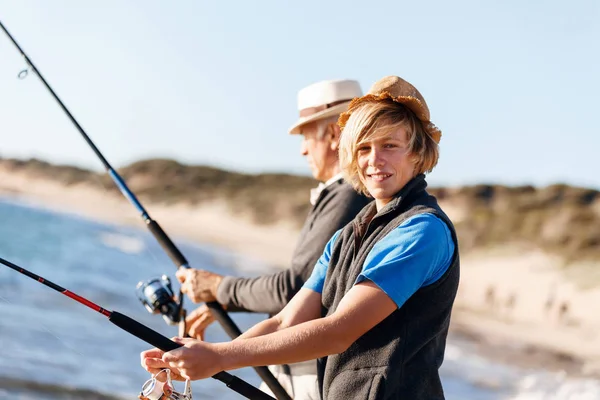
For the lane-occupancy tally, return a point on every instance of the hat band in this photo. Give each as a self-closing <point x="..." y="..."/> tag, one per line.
<point x="307" y="112"/>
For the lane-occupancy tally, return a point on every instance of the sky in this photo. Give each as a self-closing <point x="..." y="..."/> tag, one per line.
<point x="513" y="85"/>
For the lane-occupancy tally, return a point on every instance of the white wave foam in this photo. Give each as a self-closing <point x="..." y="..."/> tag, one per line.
<point x="557" y="386"/>
<point x="127" y="244"/>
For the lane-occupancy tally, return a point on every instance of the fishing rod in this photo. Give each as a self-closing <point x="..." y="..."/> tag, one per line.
<point x="144" y="333"/>
<point x="156" y="295"/>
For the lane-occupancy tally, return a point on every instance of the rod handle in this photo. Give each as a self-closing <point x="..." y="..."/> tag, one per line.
<point x="166" y="243"/>
<point x="241" y="387"/>
<point x="141" y="331"/>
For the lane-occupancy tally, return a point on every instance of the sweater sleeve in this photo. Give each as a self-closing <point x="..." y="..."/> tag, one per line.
<point x="270" y="293"/>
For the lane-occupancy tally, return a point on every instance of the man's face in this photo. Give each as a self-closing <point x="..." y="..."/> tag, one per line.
<point x="319" y="150"/>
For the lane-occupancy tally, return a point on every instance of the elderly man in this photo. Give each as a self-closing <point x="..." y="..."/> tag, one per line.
<point x="334" y="204"/>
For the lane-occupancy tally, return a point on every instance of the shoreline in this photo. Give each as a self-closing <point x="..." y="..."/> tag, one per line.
<point x="517" y="352"/>
<point x="510" y="336"/>
<point x="209" y="223"/>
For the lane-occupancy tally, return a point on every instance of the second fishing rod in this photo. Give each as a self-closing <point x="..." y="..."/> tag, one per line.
<point x="148" y="335"/>
<point x="151" y="292"/>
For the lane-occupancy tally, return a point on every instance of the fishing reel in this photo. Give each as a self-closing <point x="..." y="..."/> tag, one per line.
<point x="158" y="297"/>
<point x="160" y="387"/>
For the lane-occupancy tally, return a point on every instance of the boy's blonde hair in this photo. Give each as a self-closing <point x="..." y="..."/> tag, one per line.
<point x="374" y="120"/>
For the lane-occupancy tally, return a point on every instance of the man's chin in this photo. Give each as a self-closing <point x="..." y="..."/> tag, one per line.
<point x="317" y="176"/>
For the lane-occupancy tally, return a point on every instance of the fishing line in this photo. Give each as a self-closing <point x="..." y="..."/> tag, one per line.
<point x="54" y="335"/>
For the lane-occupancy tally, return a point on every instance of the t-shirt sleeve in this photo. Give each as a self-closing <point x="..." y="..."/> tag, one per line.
<point x="317" y="279"/>
<point x="415" y="254"/>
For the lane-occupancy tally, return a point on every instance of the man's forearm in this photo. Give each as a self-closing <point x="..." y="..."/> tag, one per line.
<point x="264" y="294"/>
<point x="306" y="341"/>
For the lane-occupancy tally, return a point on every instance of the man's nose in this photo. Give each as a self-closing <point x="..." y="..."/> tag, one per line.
<point x="303" y="147"/>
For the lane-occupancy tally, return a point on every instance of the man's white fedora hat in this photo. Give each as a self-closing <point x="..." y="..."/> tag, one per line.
<point x="324" y="99"/>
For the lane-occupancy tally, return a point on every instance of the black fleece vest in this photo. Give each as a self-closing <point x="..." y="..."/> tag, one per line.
<point x="400" y="357"/>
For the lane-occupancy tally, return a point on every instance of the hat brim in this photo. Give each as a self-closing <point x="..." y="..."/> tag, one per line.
<point x="326" y="113"/>
<point x="410" y="102"/>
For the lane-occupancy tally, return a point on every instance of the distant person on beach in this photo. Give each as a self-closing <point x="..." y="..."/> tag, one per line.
<point x="334" y="204"/>
<point x="376" y="309"/>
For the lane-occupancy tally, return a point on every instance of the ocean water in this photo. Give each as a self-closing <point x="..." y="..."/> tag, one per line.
<point x="52" y="347"/>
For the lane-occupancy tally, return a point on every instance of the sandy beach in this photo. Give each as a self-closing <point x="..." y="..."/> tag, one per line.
<point x="521" y="304"/>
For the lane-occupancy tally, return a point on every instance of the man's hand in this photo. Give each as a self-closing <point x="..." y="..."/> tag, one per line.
<point x="200" y="286"/>
<point x="198" y="320"/>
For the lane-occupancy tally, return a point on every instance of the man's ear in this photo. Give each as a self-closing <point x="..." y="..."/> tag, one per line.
<point x="333" y="133"/>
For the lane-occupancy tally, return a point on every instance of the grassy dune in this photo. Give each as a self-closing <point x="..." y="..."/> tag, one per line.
<point x="560" y="219"/>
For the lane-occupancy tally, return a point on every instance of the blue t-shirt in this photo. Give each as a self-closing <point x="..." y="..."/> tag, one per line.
<point x="415" y="254"/>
